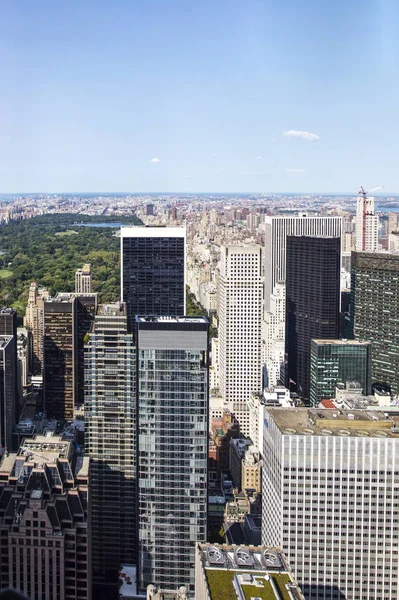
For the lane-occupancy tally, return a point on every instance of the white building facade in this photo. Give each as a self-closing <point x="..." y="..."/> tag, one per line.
<point x="240" y="322"/>
<point x="277" y="228"/>
<point x="330" y="499"/>
<point x="366" y="225"/>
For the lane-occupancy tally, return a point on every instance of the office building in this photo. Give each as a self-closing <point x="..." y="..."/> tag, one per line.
<point x="45" y="536"/>
<point x="243" y="572"/>
<point x="312" y="303"/>
<point x="172" y="409"/>
<point x="277" y="229"/>
<point x="240" y="323"/>
<point x="8" y="391"/>
<point x="110" y="442"/>
<point x="375" y="313"/>
<point x="245" y="465"/>
<point x="8" y="326"/>
<point x="59" y="356"/>
<point x="338" y="361"/>
<point x="34" y="322"/>
<point x="153" y="271"/>
<point x="366" y="225"/>
<point x="8" y="321"/>
<point x="83" y="280"/>
<point x="86" y="308"/>
<point x="22" y="362"/>
<point x="67" y="321"/>
<point x="329" y="500"/>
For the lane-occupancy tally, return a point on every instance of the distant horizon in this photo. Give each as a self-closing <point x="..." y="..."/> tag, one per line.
<point x="182" y="193"/>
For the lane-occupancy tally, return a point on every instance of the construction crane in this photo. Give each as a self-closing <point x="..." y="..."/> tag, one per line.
<point x="364" y="194"/>
<point x="365" y="213"/>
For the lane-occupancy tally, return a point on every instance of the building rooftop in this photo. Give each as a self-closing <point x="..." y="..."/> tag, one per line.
<point x="113" y="309"/>
<point x="337" y="422"/>
<point x="247" y="572"/>
<point x="4" y="340"/>
<point x="167" y="319"/>
<point x="128" y="581"/>
<point x="153" y="232"/>
<point x="342" y="342"/>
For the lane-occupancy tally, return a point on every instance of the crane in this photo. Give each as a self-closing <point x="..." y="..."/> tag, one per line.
<point x="364" y="193"/>
<point x="365" y="213"/>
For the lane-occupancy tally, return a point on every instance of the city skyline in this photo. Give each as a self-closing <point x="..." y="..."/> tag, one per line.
<point x="214" y="97"/>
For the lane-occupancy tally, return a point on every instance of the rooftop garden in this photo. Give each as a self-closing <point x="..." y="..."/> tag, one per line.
<point x="220" y="582"/>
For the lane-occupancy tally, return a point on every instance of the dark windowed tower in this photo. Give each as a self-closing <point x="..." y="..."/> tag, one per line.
<point x="338" y="361"/>
<point x="172" y="425"/>
<point x="59" y="356"/>
<point x="153" y="271"/>
<point x="312" y="302"/>
<point x="8" y="387"/>
<point x="110" y="442"/>
<point x="8" y="326"/>
<point x="374" y="310"/>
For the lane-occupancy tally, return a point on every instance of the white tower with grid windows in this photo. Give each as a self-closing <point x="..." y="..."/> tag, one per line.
<point x="240" y="322"/>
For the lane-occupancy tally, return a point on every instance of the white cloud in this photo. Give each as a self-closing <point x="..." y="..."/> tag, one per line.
<point x="303" y="135"/>
<point x="216" y="154"/>
<point x="295" y="171"/>
<point x="258" y="157"/>
<point x="249" y="173"/>
<point x="155" y="160"/>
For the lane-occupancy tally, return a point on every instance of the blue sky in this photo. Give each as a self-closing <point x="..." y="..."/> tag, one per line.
<point x="92" y="92"/>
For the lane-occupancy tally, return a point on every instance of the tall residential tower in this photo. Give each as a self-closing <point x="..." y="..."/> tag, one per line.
<point x="110" y="441"/>
<point x="240" y="323"/>
<point x="172" y="433"/>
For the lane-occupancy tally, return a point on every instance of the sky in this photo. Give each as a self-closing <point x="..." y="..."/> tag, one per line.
<point x="210" y="96"/>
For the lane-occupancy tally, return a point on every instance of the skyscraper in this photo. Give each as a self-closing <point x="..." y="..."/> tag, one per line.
<point x="8" y="321"/>
<point x="366" y="225"/>
<point x="8" y="390"/>
<point x="83" y="280"/>
<point x="110" y="442"/>
<point x="172" y="415"/>
<point x="276" y="232"/>
<point x="153" y="271"/>
<point x="86" y="308"/>
<point x="45" y="537"/>
<point x="375" y="312"/>
<point x="59" y="356"/>
<point x="330" y="501"/>
<point x="312" y="302"/>
<point x="240" y="322"/>
<point x="34" y="322"/>
<point x="338" y="361"/>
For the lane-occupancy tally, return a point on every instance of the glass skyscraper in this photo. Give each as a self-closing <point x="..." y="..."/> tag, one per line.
<point x="172" y="433"/>
<point x="375" y="313"/>
<point x="338" y="361"/>
<point x="153" y="271"/>
<point x="110" y="440"/>
<point x="312" y="302"/>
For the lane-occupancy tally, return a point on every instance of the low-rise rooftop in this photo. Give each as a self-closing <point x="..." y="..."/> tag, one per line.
<point x="247" y="572"/>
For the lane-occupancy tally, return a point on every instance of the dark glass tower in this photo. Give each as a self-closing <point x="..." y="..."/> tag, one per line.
<point x="172" y="434"/>
<point x="59" y="356"/>
<point x="338" y="361"/>
<point x="312" y="302"/>
<point x="153" y="271"/>
<point x="8" y="387"/>
<point x="110" y="442"/>
<point x="375" y="313"/>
